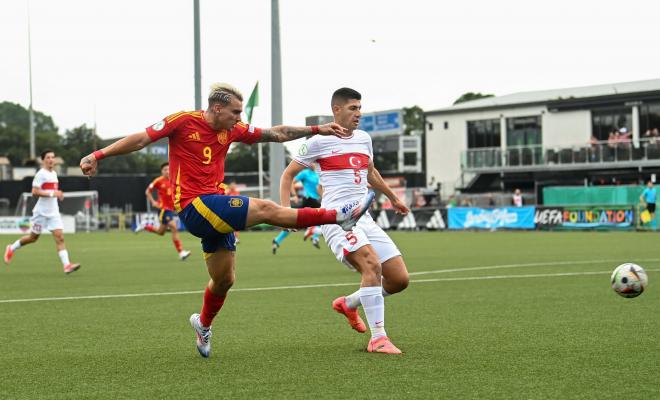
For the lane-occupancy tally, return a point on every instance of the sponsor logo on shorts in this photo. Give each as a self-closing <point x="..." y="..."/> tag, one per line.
<point x="302" y="150"/>
<point x="158" y="126"/>
<point x="235" y="202"/>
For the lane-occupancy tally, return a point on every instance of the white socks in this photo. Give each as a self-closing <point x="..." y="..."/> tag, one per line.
<point x="373" y="305"/>
<point x="64" y="257"/>
<point x="16" y="245"/>
<point x="353" y="299"/>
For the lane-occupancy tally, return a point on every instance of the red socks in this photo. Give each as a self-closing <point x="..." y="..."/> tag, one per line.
<point x="315" y="216"/>
<point x="150" y="228"/>
<point x="212" y="304"/>
<point x="177" y="245"/>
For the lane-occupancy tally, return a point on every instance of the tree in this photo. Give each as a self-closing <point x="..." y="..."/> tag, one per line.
<point x="78" y="142"/>
<point x="15" y="132"/>
<point x="469" y="96"/>
<point x="413" y="119"/>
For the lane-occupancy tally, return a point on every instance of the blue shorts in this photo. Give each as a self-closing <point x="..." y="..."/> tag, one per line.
<point x="165" y="216"/>
<point x="214" y="218"/>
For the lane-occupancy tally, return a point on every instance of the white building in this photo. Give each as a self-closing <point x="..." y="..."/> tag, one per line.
<point x="529" y="135"/>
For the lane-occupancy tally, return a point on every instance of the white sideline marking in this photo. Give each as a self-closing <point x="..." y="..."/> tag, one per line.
<point x="540" y="264"/>
<point x="321" y="285"/>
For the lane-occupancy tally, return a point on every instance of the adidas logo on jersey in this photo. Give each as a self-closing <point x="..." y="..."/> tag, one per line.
<point x="194" y="136"/>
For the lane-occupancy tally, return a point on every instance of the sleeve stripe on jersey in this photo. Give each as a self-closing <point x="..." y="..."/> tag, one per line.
<point x="176" y="116"/>
<point x="301" y="162"/>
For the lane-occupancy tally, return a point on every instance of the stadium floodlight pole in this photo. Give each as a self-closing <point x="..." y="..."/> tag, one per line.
<point x="198" y="59"/>
<point x="276" y="150"/>
<point x="33" y="152"/>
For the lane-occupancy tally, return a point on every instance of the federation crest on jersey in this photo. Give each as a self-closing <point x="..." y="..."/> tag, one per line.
<point x="235" y="202"/>
<point x="158" y="126"/>
<point x="302" y="150"/>
<point x="223" y="137"/>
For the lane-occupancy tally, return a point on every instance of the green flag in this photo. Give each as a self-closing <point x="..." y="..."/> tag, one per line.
<point x="253" y="101"/>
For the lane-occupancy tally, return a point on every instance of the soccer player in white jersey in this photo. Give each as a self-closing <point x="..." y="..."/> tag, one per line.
<point x="346" y="166"/>
<point x="46" y="213"/>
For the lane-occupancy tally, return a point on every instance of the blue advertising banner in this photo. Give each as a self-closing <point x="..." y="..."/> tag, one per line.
<point x="491" y="218"/>
<point x="382" y="123"/>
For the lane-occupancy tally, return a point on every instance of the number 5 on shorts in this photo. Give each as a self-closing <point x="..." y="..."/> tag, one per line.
<point x="352" y="239"/>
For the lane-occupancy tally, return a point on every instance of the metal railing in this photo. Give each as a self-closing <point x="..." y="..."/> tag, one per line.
<point x="536" y="155"/>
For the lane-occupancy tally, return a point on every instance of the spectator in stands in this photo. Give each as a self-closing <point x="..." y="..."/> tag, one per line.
<point x="624" y="137"/>
<point x="593" y="151"/>
<point x="491" y="200"/>
<point x="612" y="139"/>
<point x="651" y="135"/>
<point x="517" y="198"/>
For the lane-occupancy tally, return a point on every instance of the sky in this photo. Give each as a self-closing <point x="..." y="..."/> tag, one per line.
<point x="124" y="65"/>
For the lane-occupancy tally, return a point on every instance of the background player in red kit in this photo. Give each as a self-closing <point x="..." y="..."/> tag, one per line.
<point x="199" y="142"/>
<point x="163" y="187"/>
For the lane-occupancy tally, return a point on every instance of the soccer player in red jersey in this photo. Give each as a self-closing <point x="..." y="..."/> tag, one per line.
<point x="163" y="187"/>
<point x="199" y="141"/>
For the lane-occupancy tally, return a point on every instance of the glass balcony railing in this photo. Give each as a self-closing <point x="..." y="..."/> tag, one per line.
<point x="536" y="155"/>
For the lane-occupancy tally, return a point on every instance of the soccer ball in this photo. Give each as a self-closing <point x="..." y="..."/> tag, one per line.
<point x="629" y="280"/>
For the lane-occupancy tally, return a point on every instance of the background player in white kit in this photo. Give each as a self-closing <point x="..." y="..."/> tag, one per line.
<point x="46" y="213"/>
<point x="346" y="166"/>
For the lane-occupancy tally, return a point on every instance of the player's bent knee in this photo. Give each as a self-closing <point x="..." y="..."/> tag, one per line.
<point x="223" y="284"/>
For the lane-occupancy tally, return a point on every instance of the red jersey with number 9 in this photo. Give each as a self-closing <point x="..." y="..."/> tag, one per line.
<point x="197" y="153"/>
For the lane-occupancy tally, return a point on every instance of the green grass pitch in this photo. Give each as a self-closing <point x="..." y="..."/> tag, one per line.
<point x="489" y="315"/>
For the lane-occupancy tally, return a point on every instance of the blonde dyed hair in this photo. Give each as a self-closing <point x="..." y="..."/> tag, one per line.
<point x="222" y="93"/>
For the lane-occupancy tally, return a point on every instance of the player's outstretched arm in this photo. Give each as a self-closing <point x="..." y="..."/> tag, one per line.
<point x="150" y="197"/>
<point x="377" y="182"/>
<point x="128" y="144"/>
<point x="286" y="181"/>
<point x="284" y="133"/>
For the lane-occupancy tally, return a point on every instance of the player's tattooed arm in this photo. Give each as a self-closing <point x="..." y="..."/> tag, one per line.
<point x="283" y="133"/>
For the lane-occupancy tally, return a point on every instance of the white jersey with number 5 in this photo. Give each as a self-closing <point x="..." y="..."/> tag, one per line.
<point x="46" y="206"/>
<point x="343" y="164"/>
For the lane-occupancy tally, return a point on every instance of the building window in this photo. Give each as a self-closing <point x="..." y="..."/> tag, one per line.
<point x="483" y="133"/>
<point x="523" y="131"/>
<point x="409" y="159"/>
<point x="609" y="120"/>
<point x="446" y="125"/>
<point x="649" y="119"/>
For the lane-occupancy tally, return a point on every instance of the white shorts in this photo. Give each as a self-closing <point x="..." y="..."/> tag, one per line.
<point x="41" y="222"/>
<point x="365" y="232"/>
